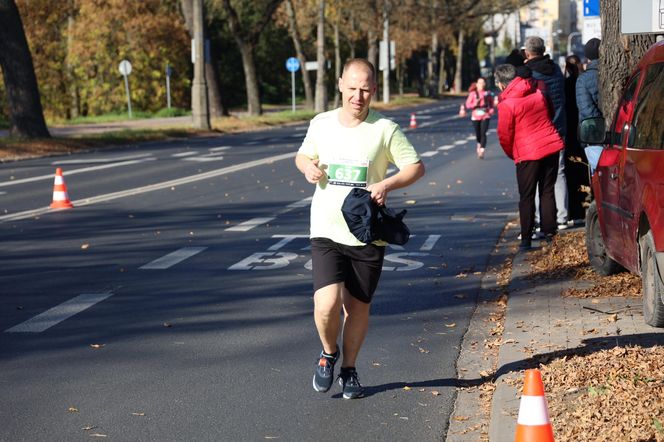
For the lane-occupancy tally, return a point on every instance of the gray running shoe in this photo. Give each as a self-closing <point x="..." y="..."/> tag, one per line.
<point x="351" y="384"/>
<point x="324" y="374"/>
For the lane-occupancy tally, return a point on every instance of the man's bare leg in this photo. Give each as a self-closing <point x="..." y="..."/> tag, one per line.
<point x="356" y="324"/>
<point x="327" y="315"/>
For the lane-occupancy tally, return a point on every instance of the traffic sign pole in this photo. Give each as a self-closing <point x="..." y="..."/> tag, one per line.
<point x="126" y="79"/>
<point x="292" y="65"/>
<point x="125" y="70"/>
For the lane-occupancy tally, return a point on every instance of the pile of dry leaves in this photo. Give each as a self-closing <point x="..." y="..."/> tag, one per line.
<point x="609" y="395"/>
<point x="567" y="257"/>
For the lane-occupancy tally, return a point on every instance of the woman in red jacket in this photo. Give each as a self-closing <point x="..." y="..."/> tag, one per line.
<point x="527" y="136"/>
<point x="480" y="105"/>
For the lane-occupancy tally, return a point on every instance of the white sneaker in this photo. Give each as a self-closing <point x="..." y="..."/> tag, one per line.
<point x="565" y="225"/>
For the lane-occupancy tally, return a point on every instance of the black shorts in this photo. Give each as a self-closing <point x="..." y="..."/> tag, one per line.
<point x="358" y="267"/>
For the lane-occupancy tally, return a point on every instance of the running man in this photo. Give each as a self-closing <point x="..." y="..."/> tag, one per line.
<point x="344" y="148"/>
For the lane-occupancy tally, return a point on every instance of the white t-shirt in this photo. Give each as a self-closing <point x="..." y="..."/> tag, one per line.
<point x="351" y="157"/>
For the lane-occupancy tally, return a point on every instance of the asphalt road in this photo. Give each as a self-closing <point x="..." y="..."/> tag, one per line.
<point x="174" y="301"/>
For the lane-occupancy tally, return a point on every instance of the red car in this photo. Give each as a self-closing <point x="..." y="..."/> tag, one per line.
<point x="625" y="222"/>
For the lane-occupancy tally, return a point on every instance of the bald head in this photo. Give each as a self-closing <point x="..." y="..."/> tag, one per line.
<point x="360" y="63"/>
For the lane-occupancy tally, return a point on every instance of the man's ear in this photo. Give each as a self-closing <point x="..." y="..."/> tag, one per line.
<point x="340" y="84"/>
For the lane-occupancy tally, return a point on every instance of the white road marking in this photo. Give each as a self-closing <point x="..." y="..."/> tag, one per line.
<point x="252" y="143"/>
<point x="220" y="148"/>
<point x="152" y="187"/>
<point x="206" y="158"/>
<point x="59" y="313"/>
<point x="75" y="171"/>
<point x="446" y="147"/>
<point x="184" y="154"/>
<point x="431" y="123"/>
<point x="429" y="153"/>
<point x="172" y="258"/>
<point x="248" y="225"/>
<point x="285" y="239"/>
<point x="296" y="205"/>
<point x="3" y="193"/>
<point x="430" y="242"/>
<point x="460" y="142"/>
<point x="101" y="160"/>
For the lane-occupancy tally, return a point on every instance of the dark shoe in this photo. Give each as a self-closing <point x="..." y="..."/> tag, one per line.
<point x="350" y="383"/>
<point x="324" y="375"/>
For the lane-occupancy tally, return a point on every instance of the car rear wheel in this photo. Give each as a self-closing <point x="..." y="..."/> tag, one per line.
<point x="651" y="283"/>
<point x="599" y="259"/>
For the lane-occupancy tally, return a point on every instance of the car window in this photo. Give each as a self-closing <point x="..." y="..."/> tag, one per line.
<point x="624" y="109"/>
<point x="648" y="118"/>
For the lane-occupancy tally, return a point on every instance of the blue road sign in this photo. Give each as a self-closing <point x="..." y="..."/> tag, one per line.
<point x="292" y="64"/>
<point x="591" y="8"/>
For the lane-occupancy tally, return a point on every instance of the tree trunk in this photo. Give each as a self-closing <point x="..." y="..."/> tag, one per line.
<point x="321" y="90"/>
<point x="297" y="42"/>
<point x="251" y="81"/>
<point x="337" y="62"/>
<point x="442" y="74"/>
<point x="459" y="64"/>
<point x="26" y="117"/>
<point x="74" y="98"/>
<point x="212" y="76"/>
<point x="351" y="40"/>
<point x="372" y="48"/>
<point x="618" y="56"/>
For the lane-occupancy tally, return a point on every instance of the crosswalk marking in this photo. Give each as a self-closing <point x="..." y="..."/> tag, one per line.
<point x="172" y="258"/>
<point x="248" y="225"/>
<point x="59" y="313"/>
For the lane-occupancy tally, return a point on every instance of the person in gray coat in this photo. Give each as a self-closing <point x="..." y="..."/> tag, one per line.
<point x="544" y="70"/>
<point x="587" y="85"/>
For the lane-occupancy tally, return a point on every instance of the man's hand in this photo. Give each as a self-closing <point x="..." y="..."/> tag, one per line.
<point x="378" y="193"/>
<point x="312" y="173"/>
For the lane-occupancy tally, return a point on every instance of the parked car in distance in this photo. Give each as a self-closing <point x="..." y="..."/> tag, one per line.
<point x="625" y="222"/>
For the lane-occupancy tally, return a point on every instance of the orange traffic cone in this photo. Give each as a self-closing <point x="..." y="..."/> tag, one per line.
<point x="533" y="423"/>
<point x="60" y="196"/>
<point x="413" y="121"/>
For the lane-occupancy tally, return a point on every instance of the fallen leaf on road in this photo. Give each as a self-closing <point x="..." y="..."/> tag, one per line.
<point x="459" y="181"/>
<point x="461" y="418"/>
<point x="461" y="275"/>
<point x="411" y="202"/>
<point x="167" y="324"/>
<point x="435" y="393"/>
<point x="85" y="246"/>
<point x="139" y="413"/>
<point x="451" y="325"/>
<point x="613" y="317"/>
<point x="72" y="410"/>
<point x="460" y="296"/>
<point x="98" y="435"/>
<point x="88" y="428"/>
<point x="407" y="388"/>
<point x="97" y="345"/>
<point x="484" y="374"/>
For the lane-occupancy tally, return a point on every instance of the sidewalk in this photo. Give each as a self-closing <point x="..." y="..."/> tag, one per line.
<point x="540" y="325"/>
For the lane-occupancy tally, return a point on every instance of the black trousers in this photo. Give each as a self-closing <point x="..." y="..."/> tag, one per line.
<point x="481" y="127"/>
<point x="530" y="174"/>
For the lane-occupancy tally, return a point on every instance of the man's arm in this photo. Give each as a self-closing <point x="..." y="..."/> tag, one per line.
<point x="405" y="177"/>
<point x="309" y="168"/>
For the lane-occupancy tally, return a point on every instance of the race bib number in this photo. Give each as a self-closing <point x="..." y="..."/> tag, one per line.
<point x="350" y="173"/>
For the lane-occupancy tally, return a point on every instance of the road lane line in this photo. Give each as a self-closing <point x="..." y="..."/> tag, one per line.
<point x="430" y="242"/>
<point x="59" y="313"/>
<point x="446" y="147"/>
<point x="185" y="154"/>
<point x="248" y="225"/>
<point x="296" y="205"/>
<point x="172" y="258"/>
<point x="429" y="153"/>
<point x="152" y="187"/>
<point x="101" y="160"/>
<point x="75" y="171"/>
<point x="219" y="149"/>
<point x="460" y="142"/>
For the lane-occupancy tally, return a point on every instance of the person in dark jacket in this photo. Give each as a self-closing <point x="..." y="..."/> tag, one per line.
<point x="587" y="90"/>
<point x="528" y="137"/>
<point x="546" y="70"/>
<point x="576" y="161"/>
